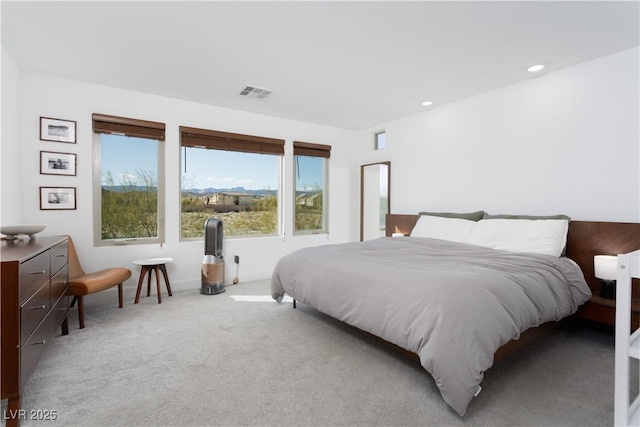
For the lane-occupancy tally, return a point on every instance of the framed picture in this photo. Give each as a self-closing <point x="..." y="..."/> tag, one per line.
<point x="56" y="198"/>
<point x="52" y="163"/>
<point x="57" y="130"/>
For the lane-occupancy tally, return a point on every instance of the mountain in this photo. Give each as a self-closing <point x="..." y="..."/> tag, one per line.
<point x="212" y="190"/>
<point x="196" y="191"/>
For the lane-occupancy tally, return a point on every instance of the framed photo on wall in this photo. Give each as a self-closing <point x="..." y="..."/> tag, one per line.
<point x="57" y="198"/>
<point x="57" y="130"/>
<point x="52" y="163"/>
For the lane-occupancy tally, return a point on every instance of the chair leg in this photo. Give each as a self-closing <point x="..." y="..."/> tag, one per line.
<point x="81" y="311"/>
<point x="65" y="326"/>
<point x="149" y="268"/>
<point x="120" y="298"/>
<point x="140" y="282"/>
<point x="156" y="268"/>
<point x="163" y="268"/>
<point x="73" y="301"/>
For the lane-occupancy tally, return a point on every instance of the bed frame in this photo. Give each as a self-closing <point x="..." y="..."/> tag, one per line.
<point x="584" y="240"/>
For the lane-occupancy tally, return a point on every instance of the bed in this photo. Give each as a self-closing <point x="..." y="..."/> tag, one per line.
<point x="455" y="304"/>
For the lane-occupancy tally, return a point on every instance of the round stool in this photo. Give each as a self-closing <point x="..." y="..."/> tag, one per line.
<point x="149" y="265"/>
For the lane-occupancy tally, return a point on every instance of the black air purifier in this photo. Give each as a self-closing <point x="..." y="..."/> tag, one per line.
<point x="212" y="264"/>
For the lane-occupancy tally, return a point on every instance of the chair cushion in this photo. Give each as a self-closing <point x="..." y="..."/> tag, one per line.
<point x="98" y="281"/>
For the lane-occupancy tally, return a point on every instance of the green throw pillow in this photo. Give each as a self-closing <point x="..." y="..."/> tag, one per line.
<point x="473" y="216"/>
<point x="503" y="216"/>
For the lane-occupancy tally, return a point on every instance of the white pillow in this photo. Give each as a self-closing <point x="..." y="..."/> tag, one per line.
<point x="543" y="236"/>
<point x="435" y="227"/>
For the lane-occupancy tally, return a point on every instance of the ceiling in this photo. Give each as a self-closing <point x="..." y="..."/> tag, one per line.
<point x="352" y="65"/>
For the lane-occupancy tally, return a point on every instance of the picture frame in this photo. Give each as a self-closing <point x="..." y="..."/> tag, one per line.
<point x="57" y="198"/>
<point x="57" y="130"/>
<point x="54" y="163"/>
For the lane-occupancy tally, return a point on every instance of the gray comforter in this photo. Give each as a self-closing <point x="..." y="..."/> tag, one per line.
<point x="451" y="303"/>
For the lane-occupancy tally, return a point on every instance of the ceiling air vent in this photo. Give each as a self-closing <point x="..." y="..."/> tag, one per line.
<point x="255" y="92"/>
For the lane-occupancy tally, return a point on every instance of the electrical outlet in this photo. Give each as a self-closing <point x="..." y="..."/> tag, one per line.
<point x="236" y="259"/>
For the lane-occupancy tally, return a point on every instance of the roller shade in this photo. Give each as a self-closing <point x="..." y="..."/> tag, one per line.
<point x="193" y="137"/>
<point x="103" y="123"/>
<point x="309" y="149"/>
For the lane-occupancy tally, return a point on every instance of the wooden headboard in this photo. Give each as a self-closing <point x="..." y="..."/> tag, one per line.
<point x="584" y="240"/>
<point x="587" y="239"/>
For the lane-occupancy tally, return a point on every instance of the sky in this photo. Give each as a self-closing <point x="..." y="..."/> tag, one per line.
<point x="204" y="168"/>
<point x="224" y="169"/>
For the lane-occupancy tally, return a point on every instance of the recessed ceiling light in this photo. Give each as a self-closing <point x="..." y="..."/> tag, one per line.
<point x="427" y="103"/>
<point x="535" y="68"/>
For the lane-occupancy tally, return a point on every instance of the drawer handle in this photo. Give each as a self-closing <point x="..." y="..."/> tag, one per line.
<point x="61" y="256"/>
<point x="43" y="342"/>
<point x="40" y="307"/>
<point x="38" y="272"/>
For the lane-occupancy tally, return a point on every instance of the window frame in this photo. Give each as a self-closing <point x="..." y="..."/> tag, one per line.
<point x="227" y="141"/>
<point x="127" y="127"/>
<point x="308" y="149"/>
<point x="376" y="140"/>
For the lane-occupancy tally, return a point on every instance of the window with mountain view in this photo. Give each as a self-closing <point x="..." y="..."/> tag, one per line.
<point x="128" y="181"/>
<point x="232" y="177"/>
<point x="310" y="181"/>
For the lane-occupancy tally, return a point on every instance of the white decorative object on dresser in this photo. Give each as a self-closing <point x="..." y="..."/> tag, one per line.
<point x="627" y="343"/>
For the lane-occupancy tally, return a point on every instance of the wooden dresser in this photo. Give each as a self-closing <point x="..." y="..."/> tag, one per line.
<point x="34" y="303"/>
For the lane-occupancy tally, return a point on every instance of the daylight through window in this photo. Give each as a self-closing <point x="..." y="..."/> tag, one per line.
<point x="380" y="140"/>
<point x="310" y="177"/>
<point x="229" y="176"/>
<point x="128" y="181"/>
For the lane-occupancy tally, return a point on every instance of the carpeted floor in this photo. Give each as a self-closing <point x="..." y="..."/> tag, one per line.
<point x="239" y="358"/>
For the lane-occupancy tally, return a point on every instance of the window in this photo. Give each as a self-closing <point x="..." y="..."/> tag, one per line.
<point x="128" y="180"/>
<point x="380" y="140"/>
<point x="230" y="176"/>
<point x="310" y="177"/>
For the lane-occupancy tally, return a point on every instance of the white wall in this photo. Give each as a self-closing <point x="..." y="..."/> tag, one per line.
<point x="566" y="142"/>
<point x="10" y="153"/>
<point x="72" y="100"/>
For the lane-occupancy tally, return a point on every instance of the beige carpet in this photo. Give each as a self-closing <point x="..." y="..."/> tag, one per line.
<point x="225" y="360"/>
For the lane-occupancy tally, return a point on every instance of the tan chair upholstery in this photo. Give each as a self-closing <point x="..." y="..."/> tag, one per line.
<point x="81" y="284"/>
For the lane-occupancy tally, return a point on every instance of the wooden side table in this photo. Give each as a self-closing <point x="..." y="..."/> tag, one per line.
<point x="147" y="266"/>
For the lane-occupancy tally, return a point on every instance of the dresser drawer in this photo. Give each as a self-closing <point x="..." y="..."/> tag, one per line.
<point x="33" y="274"/>
<point x="58" y="312"/>
<point x="33" y="311"/>
<point x="32" y="350"/>
<point x="59" y="284"/>
<point x="59" y="256"/>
